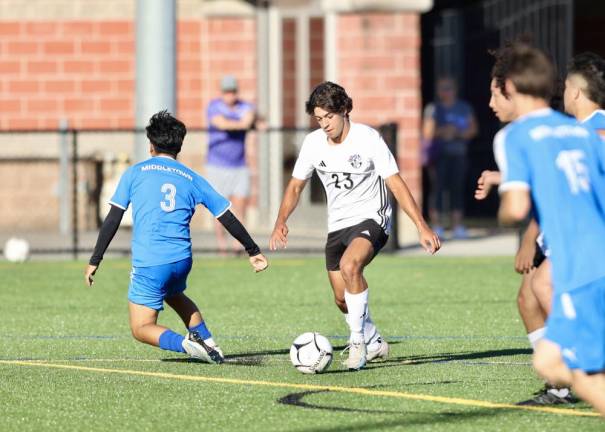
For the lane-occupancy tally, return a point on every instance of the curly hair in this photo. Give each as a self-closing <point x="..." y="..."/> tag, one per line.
<point x="166" y="133"/>
<point x="591" y="67"/>
<point x="502" y="57"/>
<point x="330" y="97"/>
<point x="501" y="67"/>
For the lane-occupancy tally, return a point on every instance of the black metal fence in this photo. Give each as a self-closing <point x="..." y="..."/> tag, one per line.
<point x="77" y="148"/>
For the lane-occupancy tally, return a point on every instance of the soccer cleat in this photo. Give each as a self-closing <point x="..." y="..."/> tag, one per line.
<point x="377" y="351"/>
<point x="197" y="348"/>
<point x="357" y="356"/>
<point x="549" y="395"/>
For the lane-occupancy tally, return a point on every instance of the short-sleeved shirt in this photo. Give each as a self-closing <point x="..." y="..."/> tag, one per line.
<point x="596" y="121"/>
<point x="558" y="161"/>
<point x="459" y="115"/>
<point x="227" y="148"/>
<point x="164" y="193"/>
<point x="353" y="174"/>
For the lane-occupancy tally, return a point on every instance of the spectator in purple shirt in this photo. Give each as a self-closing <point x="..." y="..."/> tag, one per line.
<point x="229" y="118"/>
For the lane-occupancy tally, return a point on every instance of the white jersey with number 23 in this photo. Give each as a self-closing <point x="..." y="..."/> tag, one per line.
<point x="353" y="174"/>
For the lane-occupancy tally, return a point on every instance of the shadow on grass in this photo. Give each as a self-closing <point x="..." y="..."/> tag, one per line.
<point x="436" y="358"/>
<point x="450" y="357"/>
<point x="411" y="418"/>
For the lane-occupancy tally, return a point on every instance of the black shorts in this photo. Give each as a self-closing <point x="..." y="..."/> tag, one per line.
<point x="539" y="256"/>
<point x="338" y="241"/>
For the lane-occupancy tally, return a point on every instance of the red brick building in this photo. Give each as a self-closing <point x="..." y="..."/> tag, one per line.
<point x="75" y="60"/>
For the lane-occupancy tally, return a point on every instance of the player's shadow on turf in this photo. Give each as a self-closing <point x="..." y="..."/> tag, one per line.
<point x="450" y="357"/>
<point x="410" y="418"/>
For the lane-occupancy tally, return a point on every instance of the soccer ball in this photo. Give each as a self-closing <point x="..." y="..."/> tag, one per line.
<point x="311" y="353"/>
<point x="16" y="250"/>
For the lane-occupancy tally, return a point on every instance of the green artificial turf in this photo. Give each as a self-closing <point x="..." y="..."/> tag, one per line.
<point x="452" y="324"/>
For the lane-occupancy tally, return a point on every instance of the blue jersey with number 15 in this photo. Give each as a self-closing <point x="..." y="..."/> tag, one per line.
<point x="164" y="194"/>
<point x="561" y="162"/>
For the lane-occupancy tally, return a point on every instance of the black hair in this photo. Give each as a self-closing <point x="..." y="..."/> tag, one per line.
<point x="166" y="133"/>
<point x="591" y="67"/>
<point x="330" y="97"/>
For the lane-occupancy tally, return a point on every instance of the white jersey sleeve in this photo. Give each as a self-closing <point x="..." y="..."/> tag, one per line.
<point x="303" y="169"/>
<point x="384" y="161"/>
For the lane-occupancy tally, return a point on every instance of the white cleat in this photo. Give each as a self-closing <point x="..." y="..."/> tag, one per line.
<point x="378" y="351"/>
<point x="357" y="356"/>
<point x="197" y="348"/>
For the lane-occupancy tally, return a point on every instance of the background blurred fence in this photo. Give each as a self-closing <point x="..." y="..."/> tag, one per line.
<point x="56" y="184"/>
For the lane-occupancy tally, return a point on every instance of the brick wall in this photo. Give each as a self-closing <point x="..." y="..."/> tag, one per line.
<point x="379" y="65"/>
<point x="79" y="70"/>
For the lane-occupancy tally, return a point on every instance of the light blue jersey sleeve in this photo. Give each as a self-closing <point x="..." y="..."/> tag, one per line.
<point x="511" y="160"/>
<point x="210" y="198"/>
<point x="121" y="197"/>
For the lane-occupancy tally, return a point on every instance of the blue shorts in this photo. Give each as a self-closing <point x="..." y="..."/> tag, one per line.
<point x="577" y="325"/>
<point x="149" y="286"/>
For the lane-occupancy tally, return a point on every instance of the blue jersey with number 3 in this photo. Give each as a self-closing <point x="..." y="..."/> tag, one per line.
<point x="164" y="194"/>
<point x="561" y="162"/>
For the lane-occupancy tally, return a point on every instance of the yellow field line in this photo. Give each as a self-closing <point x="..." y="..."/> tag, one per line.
<point x="350" y="390"/>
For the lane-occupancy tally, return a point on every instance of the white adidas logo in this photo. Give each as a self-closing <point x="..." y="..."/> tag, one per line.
<point x="366" y="232"/>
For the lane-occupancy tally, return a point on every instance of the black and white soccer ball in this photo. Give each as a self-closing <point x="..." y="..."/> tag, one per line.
<point x="311" y="353"/>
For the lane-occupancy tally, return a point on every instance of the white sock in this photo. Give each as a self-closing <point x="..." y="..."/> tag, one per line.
<point x="370" y="331"/>
<point x="536" y="336"/>
<point x="357" y="304"/>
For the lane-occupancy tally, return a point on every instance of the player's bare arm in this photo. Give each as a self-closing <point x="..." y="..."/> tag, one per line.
<point x="514" y="206"/>
<point x="428" y="239"/>
<point x="486" y="182"/>
<point x="279" y="237"/>
<point x="524" y="260"/>
<point x="224" y="123"/>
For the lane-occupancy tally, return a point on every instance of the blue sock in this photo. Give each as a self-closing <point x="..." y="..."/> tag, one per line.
<point x="171" y="341"/>
<point x="202" y="330"/>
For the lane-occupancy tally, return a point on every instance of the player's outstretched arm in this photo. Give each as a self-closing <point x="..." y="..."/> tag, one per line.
<point x="279" y="236"/>
<point x="106" y="233"/>
<point x="428" y="239"/>
<point x="486" y="182"/>
<point x="239" y="232"/>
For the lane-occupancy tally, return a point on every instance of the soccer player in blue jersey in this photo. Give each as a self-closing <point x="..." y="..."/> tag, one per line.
<point x="555" y="164"/>
<point x="584" y="97"/>
<point x="530" y="258"/>
<point x="164" y="194"/>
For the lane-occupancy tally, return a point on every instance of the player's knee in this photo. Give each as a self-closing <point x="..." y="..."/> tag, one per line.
<point x="137" y="332"/>
<point x="350" y="268"/>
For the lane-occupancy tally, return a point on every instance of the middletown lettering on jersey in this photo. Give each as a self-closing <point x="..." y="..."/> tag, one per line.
<point x="168" y="169"/>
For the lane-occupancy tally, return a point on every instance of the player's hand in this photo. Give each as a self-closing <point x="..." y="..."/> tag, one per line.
<point x="485" y="182"/>
<point x="259" y="263"/>
<point x="428" y="239"/>
<point x="89" y="273"/>
<point x="279" y="237"/>
<point x="524" y="260"/>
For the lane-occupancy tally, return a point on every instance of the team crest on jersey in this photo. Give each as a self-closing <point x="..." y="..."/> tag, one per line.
<point x="355" y="161"/>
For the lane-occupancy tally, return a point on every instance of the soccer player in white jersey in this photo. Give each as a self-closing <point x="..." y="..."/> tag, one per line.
<point x="555" y="165"/>
<point x="356" y="168"/>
